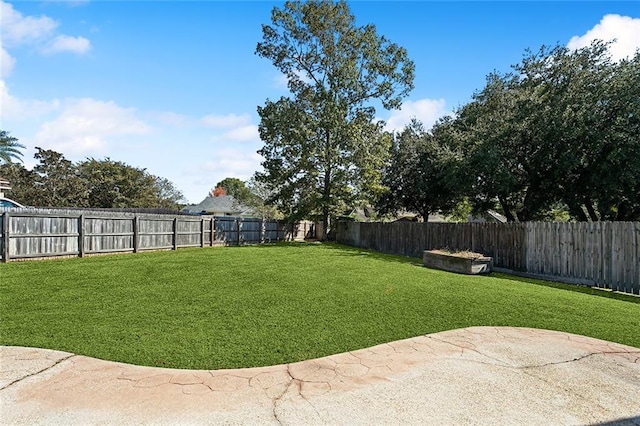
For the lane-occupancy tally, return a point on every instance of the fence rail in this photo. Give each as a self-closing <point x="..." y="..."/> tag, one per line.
<point x="28" y="233"/>
<point x="601" y="254"/>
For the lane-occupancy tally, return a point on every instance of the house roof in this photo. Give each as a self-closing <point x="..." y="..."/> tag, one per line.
<point x="4" y="184"/>
<point x="224" y="204"/>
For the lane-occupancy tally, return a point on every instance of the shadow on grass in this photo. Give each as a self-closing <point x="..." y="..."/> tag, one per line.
<point x="344" y="250"/>
<point x="371" y="254"/>
<point x="569" y="287"/>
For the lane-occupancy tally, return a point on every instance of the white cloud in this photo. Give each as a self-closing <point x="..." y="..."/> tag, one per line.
<point x="171" y="119"/>
<point x="228" y="162"/>
<point x="281" y="81"/>
<point x="19" y="109"/>
<point x="63" y="43"/>
<point x="238" y="127"/>
<point x="226" y="121"/>
<point x="624" y="29"/>
<point x="7" y="62"/>
<point x="19" y="29"/>
<point x="242" y="134"/>
<point x="85" y="125"/>
<point x="427" y="111"/>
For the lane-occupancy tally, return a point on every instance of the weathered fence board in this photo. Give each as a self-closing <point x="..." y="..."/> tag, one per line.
<point x="603" y="254"/>
<point x="31" y="233"/>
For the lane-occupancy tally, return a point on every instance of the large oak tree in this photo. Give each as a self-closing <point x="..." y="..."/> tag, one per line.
<point x="323" y="147"/>
<point x="562" y="129"/>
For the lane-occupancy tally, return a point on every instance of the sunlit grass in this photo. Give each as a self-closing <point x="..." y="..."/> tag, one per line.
<point x="261" y="305"/>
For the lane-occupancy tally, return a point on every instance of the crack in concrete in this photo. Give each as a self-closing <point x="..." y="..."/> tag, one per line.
<point x="502" y="363"/>
<point x="499" y="333"/>
<point x="37" y="372"/>
<point x="300" y="382"/>
<point x="308" y="401"/>
<point x="277" y="399"/>
<point x="580" y="358"/>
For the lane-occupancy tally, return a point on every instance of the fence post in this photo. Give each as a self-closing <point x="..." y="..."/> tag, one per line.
<point x="175" y="233"/>
<point x="213" y="230"/>
<point x="81" y="236"/>
<point x="201" y="232"/>
<point x="136" y="234"/>
<point x="262" y="230"/>
<point x="5" y="237"/>
<point x="238" y="222"/>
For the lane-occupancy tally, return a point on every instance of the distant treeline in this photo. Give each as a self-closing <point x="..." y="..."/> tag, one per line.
<point x="58" y="182"/>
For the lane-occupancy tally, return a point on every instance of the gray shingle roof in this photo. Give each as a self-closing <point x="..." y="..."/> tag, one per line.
<point x="224" y="204"/>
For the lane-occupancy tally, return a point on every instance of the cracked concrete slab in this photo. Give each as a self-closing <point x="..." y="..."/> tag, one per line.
<point x="477" y="375"/>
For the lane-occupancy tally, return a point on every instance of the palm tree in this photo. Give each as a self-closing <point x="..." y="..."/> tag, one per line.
<point x="9" y="147"/>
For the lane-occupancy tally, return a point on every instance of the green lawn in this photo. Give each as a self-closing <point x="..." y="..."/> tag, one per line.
<point x="259" y="305"/>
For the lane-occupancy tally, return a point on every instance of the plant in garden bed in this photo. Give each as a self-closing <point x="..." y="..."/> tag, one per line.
<point x="459" y="253"/>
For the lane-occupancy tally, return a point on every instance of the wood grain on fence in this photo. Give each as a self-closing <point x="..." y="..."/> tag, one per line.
<point x="32" y="233"/>
<point x="603" y="254"/>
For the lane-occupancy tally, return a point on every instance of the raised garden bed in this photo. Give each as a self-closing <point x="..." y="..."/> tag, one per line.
<point x="461" y="262"/>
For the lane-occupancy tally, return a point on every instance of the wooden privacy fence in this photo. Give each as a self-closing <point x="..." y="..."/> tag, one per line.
<point x="27" y="233"/>
<point x="602" y="254"/>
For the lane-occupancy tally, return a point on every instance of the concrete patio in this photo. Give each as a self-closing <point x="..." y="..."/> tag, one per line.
<point x="477" y="375"/>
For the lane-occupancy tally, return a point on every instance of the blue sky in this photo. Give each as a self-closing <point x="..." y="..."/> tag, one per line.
<point x="173" y="86"/>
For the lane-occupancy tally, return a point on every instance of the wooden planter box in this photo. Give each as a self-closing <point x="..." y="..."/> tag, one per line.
<point x="459" y="264"/>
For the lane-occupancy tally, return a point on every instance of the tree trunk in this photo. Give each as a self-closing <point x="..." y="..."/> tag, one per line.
<point x="326" y="190"/>
<point x="325" y="223"/>
<point x="576" y="210"/>
<point x="507" y="212"/>
<point x="592" y="212"/>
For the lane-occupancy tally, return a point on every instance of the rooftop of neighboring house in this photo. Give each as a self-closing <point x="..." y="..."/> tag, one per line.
<point x="4" y="184"/>
<point x="221" y="205"/>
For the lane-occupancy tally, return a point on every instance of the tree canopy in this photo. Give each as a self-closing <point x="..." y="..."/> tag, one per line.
<point x="423" y="173"/>
<point x="323" y="147"/>
<point x="558" y="136"/>
<point x="9" y="147"/>
<point x="235" y="187"/>
<point x="561" y="129"/>
<point x="58" y="182"/>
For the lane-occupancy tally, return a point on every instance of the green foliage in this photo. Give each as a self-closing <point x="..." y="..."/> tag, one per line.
<point x="561" y="130"/>
<point x="323" y="149"/>
<point x="22" y="181"/>
<point x="57" y="182"/>
<point x="167" y="195"/>
<point x="248" y="306"/>
<point x="461" y="211"/>
<point x="114" y="184"/>
<point x="236" y="188"/>
<point x="9" y="147"/>
<point x="423" y="174"/>
<point x="257" y="200"/>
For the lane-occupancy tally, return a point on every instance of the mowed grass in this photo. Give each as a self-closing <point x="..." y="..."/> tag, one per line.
<point x="248" y="306"/>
